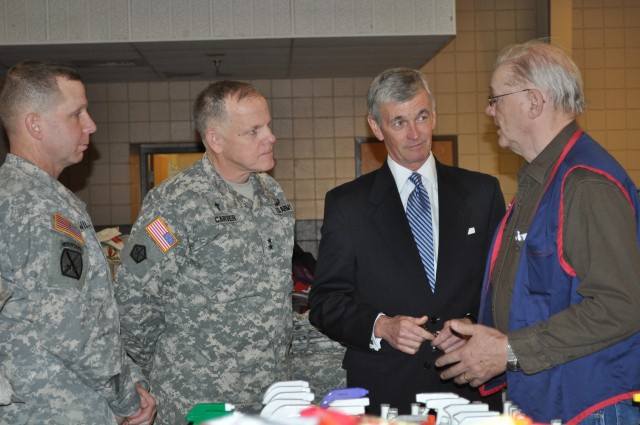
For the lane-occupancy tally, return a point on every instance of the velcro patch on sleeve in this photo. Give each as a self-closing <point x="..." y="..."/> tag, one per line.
<point x="161" y="234"/>
<point x="64" y="225"/>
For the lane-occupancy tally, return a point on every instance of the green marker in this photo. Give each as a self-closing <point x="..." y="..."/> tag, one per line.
<point x="202" y="412"/>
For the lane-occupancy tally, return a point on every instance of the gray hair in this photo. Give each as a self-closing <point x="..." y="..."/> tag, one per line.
<point x="210" y="105"/>
<point x="32" y="84"/>
<point x="548" y="68"/>
<point x="396" y="85"/>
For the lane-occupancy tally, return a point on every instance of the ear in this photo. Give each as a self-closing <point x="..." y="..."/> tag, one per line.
<point x="214" y="141"/>
<point x="536" y="103"/>
<point x="32" y="124"/>
<point x="374" y="127"/>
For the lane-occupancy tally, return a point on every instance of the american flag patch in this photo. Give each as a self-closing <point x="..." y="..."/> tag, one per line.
<point x="68" y="227"/>
<point x="161" y="234"/>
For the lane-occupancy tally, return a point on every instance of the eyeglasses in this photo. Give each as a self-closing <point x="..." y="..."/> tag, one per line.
<point x="494" y="99"/>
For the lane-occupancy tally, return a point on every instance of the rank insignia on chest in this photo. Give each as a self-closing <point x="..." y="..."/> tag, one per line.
<point x="63" y="225"/>
<point x="161" y="234"/>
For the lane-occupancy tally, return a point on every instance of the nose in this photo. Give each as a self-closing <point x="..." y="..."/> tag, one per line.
<point x="413" y="132"/>
<point x="271" y="138"/>
<point x="89" y="125"/>
<point x="490" y="110"/>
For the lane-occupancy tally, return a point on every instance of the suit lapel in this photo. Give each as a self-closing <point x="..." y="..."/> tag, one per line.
<point x="391" y="222"/>
<point x="454" y="219"/>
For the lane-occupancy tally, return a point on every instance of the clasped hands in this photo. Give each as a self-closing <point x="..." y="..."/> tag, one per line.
<point x="473" y="353"/>
<point x="147" y="412"/>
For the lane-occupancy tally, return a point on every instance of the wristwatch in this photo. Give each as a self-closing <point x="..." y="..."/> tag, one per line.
<point x="512" y="360"/>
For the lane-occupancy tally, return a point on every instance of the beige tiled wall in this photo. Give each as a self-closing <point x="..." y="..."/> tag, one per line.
<point x="606" y="46"/>
<point x="317" y="120"/>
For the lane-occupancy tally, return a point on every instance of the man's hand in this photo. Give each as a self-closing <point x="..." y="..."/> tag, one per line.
<point x="480" y="358"/>
<point x="404" y="333"/>
<point x="147" y="412"/>
<point x="448" y="340"/>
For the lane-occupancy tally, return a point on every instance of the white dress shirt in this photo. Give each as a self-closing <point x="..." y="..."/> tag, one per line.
<point x="405" y="187"/>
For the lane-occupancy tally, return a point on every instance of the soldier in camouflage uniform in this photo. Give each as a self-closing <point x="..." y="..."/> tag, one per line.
<point x="6" y="392"/>
<point x="59" y="332"/>
<point x="204" y="289"/>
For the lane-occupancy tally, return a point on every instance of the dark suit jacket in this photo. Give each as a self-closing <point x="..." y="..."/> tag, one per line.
<point x="368" y="263"/>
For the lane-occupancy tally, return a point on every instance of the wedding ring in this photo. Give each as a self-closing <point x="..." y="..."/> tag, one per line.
<point x="464" y="376"/>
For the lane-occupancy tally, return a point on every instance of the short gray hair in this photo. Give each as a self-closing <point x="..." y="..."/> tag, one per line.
<point x="396" y="85"/>
<point x="548" y="68"/>
<point x="210" y="105"/>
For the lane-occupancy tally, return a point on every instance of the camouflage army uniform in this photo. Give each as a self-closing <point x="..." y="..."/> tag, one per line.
<point x="204" y="291"/>
<point x="316" y="358"/>
<point x="59" y="333"/>
<point x="6" y="392"/>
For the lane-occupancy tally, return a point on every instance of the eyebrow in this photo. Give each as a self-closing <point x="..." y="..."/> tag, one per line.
<point x="250" y="129"/>
<point x="421" y="112"/>
<point x="78" y="108"/>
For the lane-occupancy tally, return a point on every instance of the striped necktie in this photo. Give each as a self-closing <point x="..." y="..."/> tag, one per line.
<point x="419" y="214"/>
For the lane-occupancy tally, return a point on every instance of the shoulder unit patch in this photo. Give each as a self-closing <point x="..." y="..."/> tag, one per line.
<point x="138" y="253"/>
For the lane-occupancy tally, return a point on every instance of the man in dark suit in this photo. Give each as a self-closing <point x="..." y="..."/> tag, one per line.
<point x="371" y="291"/>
